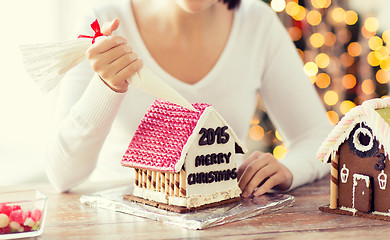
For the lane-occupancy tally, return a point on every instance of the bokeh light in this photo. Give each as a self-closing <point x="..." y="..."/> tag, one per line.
<point x="278" y="5"/>
<point x="277" y="135"/>
<point x="385" y="64"/>
<point x="368" y="86"/>
<point x="323" y="80"/>
<point x="382" y="76"/>
<point x="346" y="105"/>
<point x="354" y="49"/>
<point x="346" y="59"/>
<point x="386" y="36"/>
<point x="350" y="17"/>
<point x="292" y="8"/>
<point x="333" y="117"/>
<point x="255" y="120"/>
<point x="331" y="98"/>
<point x="367" y="34"/>
<point x="301" y="14"/>
<point x="322" y="60"/>
<point x="295" y="33"/>
<point x="317" y="40"/>
<point x="279" y="152"/>
<point x="372" y="59"/>
<point x="330" y="39"/>
<point x="375" y="42"/>
<point x="313" y="79"/>
<point x="382" y="53"/>
<point x="371" y="24"/>
<point x="320" y="3"/>
<point x="349" y="81"/>
<point x="256" y="132"/>
<point x="311" y="69"/>
<point x="314" y="17"/>
<point x="338" y="15"/>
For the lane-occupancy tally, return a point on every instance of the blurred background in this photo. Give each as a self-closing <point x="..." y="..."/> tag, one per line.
<point x="345" y="45"/>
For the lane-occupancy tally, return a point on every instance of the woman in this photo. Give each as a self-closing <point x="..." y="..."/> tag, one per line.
<point x="210" y="51"/>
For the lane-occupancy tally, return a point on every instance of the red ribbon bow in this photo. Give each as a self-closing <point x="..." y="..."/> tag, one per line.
<point x="96" y="28"/>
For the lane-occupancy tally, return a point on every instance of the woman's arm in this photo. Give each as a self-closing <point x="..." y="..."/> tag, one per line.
<point x="296" y="111"/>
<point x="87" y="109"/>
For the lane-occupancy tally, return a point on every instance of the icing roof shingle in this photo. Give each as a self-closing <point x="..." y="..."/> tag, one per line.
<point x="159" y="140"/>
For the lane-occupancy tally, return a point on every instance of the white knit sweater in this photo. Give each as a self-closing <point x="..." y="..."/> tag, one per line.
<point x="95" y="124"/>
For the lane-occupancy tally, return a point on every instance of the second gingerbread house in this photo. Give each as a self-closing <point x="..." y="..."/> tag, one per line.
<point x="358" y="150"/>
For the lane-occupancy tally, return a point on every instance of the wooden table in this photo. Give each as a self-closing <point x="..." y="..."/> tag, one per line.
<point x="68" y="219"/>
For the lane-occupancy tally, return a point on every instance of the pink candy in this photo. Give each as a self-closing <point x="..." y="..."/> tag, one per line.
<point x="36" y="215"/>
<point x="18" y="216"/>
<point x="5" y="209"/>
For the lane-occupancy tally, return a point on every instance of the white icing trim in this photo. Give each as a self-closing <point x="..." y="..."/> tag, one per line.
<point x="382" y="213"/>
<point x="356" y="140"/>
<point x="232" y="133"/>
<point x="344" y="173"/>
<point x="353" y="210"/>
<point x="357" y="177"/>
<point x="196" y="130"/>
<point x="382" y="180"/>
<point x="192" y="138"/>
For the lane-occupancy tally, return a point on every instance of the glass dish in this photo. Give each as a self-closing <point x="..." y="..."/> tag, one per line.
<point x="22" y="214"/>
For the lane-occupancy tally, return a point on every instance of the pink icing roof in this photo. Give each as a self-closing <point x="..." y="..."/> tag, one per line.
<point x="159" y="140"/>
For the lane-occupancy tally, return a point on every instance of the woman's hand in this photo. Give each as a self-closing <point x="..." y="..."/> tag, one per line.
<point x="112" y="59"/>
<point x="261" y="172"/>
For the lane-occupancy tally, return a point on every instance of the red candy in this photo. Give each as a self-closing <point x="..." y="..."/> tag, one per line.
<point x="17" y="216"/>
<point x="5" y="230"/>
<point x="16" y="207"/>
<point x="36" y="215"/>
<point x="5" y="209"/>
<point x="27" y="228"/>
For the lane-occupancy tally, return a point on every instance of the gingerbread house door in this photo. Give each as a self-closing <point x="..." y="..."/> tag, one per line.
<point x="362" y="193"/>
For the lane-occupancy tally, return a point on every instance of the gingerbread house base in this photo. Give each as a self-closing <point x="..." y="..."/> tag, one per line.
<point x="177" y="209"/>
<point x="371" y="215"/>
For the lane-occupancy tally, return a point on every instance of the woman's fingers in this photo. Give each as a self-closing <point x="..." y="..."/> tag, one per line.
<point x="114" y="61"/>
<point x="104" y="44"/>
<point x="109" y="27"/>
<point x="243" y="166"/>
<point x="271" y="182"/>
<point x="257" y="171"/>
<point x="262" y="172"/>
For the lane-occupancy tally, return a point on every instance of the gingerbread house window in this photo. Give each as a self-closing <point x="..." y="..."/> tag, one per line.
<point x="362" y="142"/>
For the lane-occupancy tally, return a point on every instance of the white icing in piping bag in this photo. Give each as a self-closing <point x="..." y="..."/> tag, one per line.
<point x="48" y="63"/>
<point x="148" y="81"/>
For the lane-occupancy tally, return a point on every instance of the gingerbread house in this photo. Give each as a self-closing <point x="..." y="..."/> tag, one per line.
<point x="358" y="150"/>
<point x="183" y="158"/>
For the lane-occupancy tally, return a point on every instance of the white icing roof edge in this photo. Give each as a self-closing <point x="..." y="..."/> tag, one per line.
<point x="193" y="136"/>
<point x="364" y="113"/>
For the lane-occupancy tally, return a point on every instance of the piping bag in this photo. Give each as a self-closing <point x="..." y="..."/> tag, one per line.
<point x="48" y="63"/>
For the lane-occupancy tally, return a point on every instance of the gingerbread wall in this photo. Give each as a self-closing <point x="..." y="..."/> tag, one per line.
<point x="350" y="160"/>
